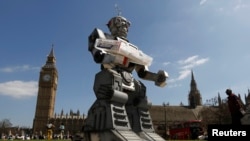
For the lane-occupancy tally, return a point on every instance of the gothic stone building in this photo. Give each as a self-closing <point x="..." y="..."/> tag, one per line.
<point x="165" y="115"/>
<point x="45" y="105"/>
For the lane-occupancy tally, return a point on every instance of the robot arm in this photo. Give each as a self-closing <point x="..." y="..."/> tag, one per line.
<point x="109" y="60"/>
<point x="110" y="52"/>
<point x="99" y="56"/>
<point x="96" y="34"/>
<point x="159" y="78"/>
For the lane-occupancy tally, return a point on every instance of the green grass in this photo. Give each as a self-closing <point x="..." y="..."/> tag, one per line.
<point x="36" y="140"/>
<point x="70" y="140"/>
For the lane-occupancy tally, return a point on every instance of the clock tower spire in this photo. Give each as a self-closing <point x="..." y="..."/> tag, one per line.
<point x="46" y="93"/>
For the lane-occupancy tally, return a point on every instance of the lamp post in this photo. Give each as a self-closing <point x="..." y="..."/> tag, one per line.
<point x="165" y="120"/>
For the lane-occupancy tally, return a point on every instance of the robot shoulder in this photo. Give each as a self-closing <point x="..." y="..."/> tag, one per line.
<point x="97" y="34"/>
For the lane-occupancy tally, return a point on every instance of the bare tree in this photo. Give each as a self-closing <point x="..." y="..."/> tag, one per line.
<point x="5" y="123"/>
<point x="215" y="113"/>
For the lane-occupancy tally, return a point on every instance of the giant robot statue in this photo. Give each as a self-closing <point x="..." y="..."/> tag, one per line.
<point x="121" y="110"/>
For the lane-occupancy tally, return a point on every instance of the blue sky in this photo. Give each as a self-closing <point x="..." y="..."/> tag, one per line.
<point x="210" y="37"/>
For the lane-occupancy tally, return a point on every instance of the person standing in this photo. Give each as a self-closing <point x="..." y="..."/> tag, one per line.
<point x="50" y="127"/>
<point x="61" y="130"/>
<point x="235" y="107"/>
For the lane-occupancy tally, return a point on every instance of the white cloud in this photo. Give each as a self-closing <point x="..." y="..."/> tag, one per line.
<point x="19" y="89"/>
<point x="18" y="68"/>
<point x="188" y="60"/>
<point x="202" y="2"/>
<point x="186" y="65"/>
<point x="166" y="63"/>
<point x="183" y="74"/>
<point x="192" y="62"/>
<point x="240" y="5"/>
<point x="174" y="85"/>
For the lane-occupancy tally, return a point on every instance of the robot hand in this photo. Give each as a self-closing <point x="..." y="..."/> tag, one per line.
<point x="161" y="77"/>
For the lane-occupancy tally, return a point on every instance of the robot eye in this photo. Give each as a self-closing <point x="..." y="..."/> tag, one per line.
<point x="128" y="24"/>
<point x="118" y="21"/>
<point x="121" y="22"/>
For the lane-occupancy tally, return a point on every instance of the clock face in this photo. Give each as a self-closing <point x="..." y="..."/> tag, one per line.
<point x="46" y="77"/>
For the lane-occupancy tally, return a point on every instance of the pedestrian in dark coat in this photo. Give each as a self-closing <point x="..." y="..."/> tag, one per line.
<point x="234" y="106"/>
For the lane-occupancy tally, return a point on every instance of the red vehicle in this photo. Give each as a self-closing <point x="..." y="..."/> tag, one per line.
<point x="186" y="130"/>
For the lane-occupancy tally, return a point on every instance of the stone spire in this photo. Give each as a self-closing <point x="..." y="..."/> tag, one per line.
<point x="51" y="59"/>
<point x="51" y="54"/>
<point x="194" y="96"/>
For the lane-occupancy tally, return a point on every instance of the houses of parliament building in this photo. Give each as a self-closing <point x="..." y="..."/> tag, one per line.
<point x="73" y="121"/>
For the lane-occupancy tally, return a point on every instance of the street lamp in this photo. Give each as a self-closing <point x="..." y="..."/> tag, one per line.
<point x="165" y="116"/>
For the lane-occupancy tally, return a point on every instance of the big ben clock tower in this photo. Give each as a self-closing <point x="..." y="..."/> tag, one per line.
<point x="46" y="94"/>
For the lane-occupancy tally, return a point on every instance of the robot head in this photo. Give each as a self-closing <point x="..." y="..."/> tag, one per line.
<point x="118" y="26"/>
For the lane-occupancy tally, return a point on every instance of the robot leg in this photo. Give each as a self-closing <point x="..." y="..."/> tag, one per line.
<point x="138" y="113"/>
<point x="107" y="118"/>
